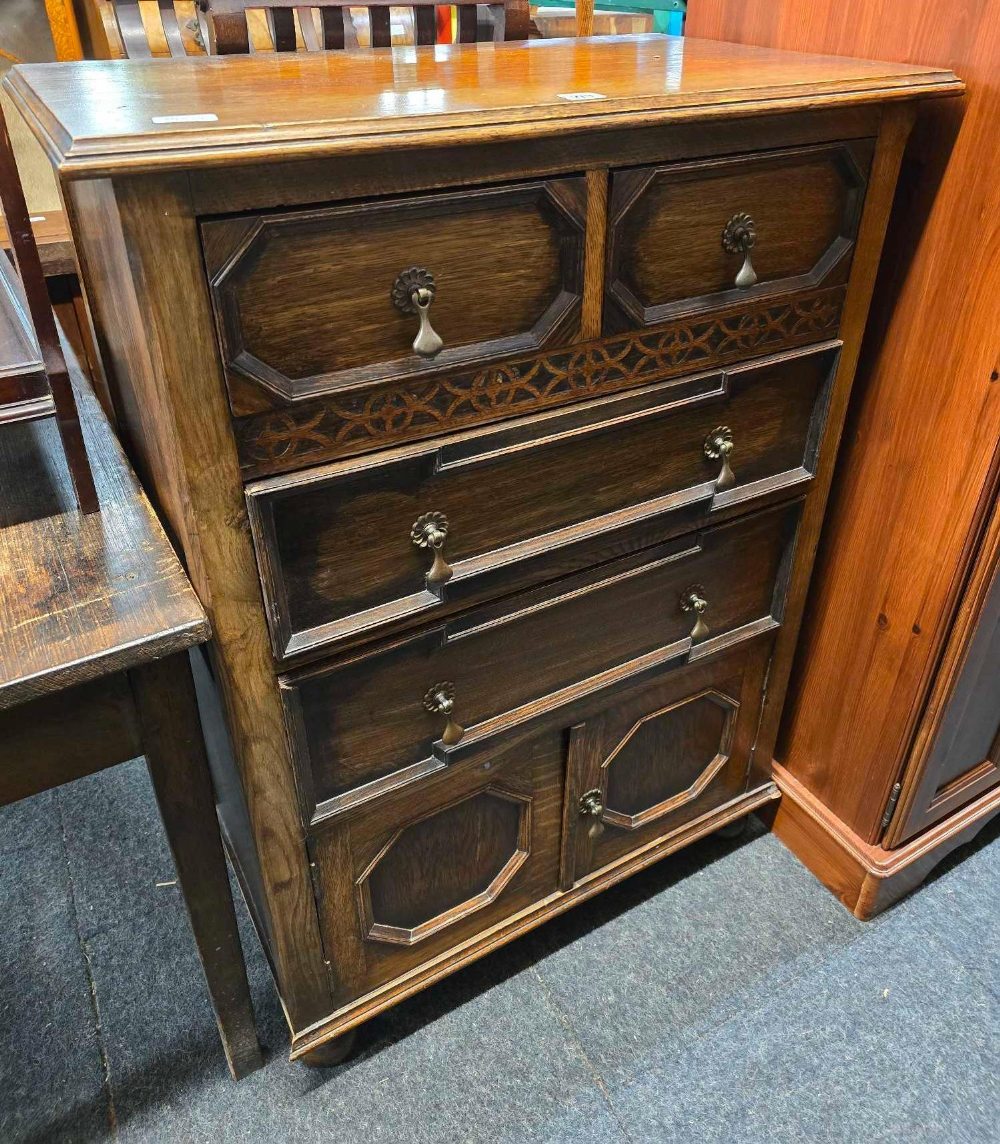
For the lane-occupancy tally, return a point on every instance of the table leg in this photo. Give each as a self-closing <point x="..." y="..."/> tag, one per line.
<point x="175" y="754"/>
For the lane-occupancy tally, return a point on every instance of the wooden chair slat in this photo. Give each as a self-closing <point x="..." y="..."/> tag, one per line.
<point x="516" y="20"/>
<point x="379" y="21"/>
<point x="283" y="29"/>
<point x="232" y="38"/>
<point x="171" y="28"/>
<point x="332" y="20"/>
<point x="230" y="27"/>
<point x="133" y="31"/>
<point x="467" y="24"/>
<point x="307" y="29"/>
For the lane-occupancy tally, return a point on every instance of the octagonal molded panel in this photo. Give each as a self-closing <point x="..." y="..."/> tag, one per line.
<point x="444" y="866"/>
<point x="668" y="758"/>
<point x="666" y="257"/>
<point x="303" y="300"/>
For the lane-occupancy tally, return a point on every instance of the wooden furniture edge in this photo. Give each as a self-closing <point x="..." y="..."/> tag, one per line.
<point x="242" y="146"/>
<point x="105" y="450"/>
<point x="166" y="709"/>
<point x="866" y="878"/>
<point x="173" y="411"/>
<point x="427" y="974"/>
<point x="897" y="122"/>
<point x="977" y="570"/>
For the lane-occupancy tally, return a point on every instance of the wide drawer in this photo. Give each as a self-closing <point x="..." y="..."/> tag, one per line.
<point x="349" y="548"/>
<point x="688" y="237"/>
<point x="365" y="725"/>
<point x="317" y="301"/>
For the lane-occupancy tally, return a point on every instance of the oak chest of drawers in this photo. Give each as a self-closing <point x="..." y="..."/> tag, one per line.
<point x="492" y="394"/>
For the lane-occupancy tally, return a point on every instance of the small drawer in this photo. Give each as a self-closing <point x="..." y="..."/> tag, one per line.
<point x="359" y="546"/>
<point x="314" y="302"/>
<point x="684" y="238"/>
<point x="366" y="725"/>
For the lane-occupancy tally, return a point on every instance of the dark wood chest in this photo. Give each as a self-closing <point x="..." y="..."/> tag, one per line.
<point x="493" y="398"/>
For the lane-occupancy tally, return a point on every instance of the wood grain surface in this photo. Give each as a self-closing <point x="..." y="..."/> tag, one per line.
<point x="663" y="756"/>
<point x="363" y="721"/>
<point x="94" y="117"/>
<point x="665" y="254"/>
<point x="956" y="753"/>
<point x="80" y="592"/>
<point x="162" y="342"/>
<point x="303" y="308"/>
<point x="919" y="469"/>
<point x="340" y="759"/>
<point x="547" y="515"/>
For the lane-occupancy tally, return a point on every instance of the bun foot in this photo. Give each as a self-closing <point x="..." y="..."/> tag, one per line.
<point x="735" y="829"/>
<point x="330" y="1053"/>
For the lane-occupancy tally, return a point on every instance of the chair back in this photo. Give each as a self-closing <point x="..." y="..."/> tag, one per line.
<point x="136" y="29"/>
<point x="34" y="380"/>
<point x="330" y="27"/>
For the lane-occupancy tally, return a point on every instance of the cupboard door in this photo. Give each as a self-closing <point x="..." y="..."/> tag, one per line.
<point x="658" y="759"/>
<point x="957" y="757"/>
<point x="427" y="869"/>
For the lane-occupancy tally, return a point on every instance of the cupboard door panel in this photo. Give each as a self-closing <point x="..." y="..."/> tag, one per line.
<point x="960" y="758"/>
<point x="406" y="880"/>
<point x="655" y="760"/>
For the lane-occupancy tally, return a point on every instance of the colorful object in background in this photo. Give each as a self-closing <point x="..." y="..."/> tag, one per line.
<point x="668" y="15"/>
<point x="445" y="25"/>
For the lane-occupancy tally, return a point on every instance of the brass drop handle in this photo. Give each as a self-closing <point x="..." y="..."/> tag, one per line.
<point x="718" y="446"/>
<point x="430" y="531"/>
<point x="412" y="293"/>
<point x="592" y="807"/>
<point x="739" y="236"/>
<point x="693" y="600"/>
<point x="440" y="700"/>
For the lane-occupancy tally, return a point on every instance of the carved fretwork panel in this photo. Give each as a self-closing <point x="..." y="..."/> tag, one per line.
<point x="445" y="866"/>
<point x="361" y="420"/>
<point x="668" y="758"/>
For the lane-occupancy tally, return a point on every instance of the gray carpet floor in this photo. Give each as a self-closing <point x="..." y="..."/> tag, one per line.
<point x="723" y="995"/>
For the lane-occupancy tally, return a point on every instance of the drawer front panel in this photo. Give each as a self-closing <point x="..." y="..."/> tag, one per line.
<point x="660" y="757"/>
<point x="433" y="866"/>
<point x="304" y="301"/>
<point x="527" y="503"/>
<point x="366" y="725"/>
<point x="689" y="237"/>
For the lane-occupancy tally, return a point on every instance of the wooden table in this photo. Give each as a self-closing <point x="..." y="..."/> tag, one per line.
<point x="96" y="619"/>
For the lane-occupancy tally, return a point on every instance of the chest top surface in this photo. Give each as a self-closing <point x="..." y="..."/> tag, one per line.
<point x="101" y="117"/>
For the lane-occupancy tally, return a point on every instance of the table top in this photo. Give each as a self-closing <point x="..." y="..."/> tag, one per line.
<point x="81" y="595"/>
<point x="102" y="117"/>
